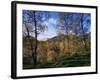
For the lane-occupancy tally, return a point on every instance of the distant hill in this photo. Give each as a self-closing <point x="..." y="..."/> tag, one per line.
<point x="56" y="38"/>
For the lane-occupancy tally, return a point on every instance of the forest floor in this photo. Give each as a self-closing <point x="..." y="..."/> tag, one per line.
<point x="72" y="61"/>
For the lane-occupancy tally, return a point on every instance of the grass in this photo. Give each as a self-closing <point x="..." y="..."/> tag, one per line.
<point x="72" y="61"/>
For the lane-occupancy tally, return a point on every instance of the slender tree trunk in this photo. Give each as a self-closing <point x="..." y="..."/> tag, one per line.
<point x="67" y="28"/>
<point x="76" y="42"/>
<point x="83" y="33"/>
<point x="28" y="33"/>
<point x="36" y="42"/>
<point x="30" y="42"/>
<point x="68" y="42"/>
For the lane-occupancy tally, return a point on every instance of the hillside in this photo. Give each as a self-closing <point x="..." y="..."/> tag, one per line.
<point x="73" y="61"/>
<point x="59" y="51"/>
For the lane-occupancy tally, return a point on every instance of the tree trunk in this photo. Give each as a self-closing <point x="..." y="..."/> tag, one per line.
<point x="83" y="33"/>
<point x="28" y="33"/>
<point x="68" y="41"/>
<point x="36" y="42"/>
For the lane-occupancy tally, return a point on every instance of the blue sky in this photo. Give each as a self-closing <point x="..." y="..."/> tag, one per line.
<point x="51" y="24"/>
<point x="50" y="32"/>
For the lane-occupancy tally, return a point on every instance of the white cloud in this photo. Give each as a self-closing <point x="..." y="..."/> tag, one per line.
<point x="52" y="21"/>
<point x="47" y="34"/>
<point x="50" y="32"/>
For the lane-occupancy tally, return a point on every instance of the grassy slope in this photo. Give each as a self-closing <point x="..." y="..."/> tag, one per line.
<point x="73" y="61"/>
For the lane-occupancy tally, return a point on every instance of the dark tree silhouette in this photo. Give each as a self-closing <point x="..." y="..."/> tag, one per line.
<point x="32" y="27"/>
<point x="84" y="24"/>
<point x="77" y="23"/>
<point x="65" y="24"/>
